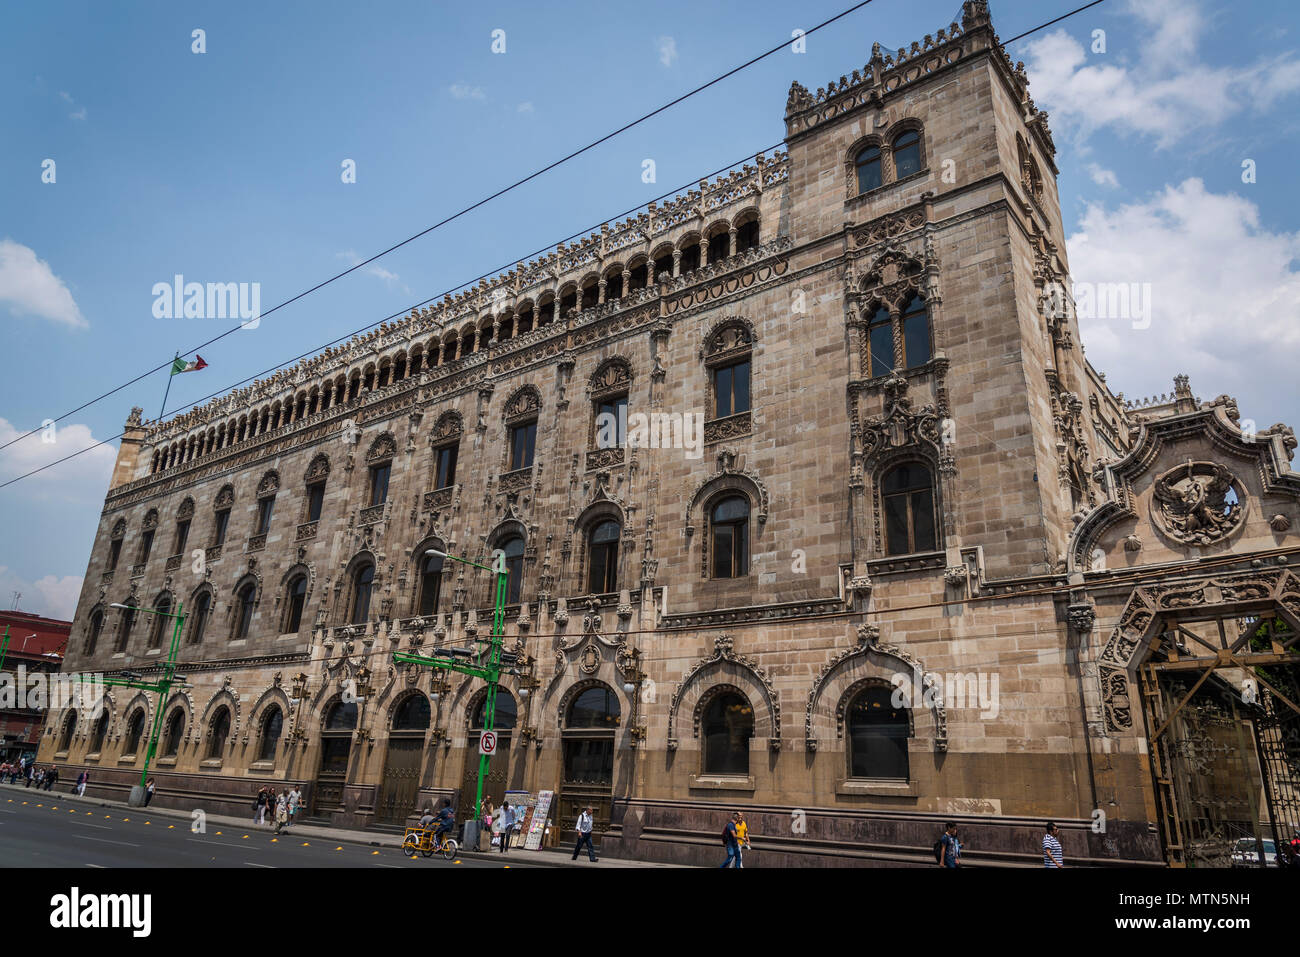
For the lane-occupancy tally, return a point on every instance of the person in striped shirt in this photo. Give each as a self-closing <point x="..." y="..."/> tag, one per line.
<point x="1052" y="855"/>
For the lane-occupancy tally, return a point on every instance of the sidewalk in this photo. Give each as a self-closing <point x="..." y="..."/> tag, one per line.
<point x="549" y="857"/>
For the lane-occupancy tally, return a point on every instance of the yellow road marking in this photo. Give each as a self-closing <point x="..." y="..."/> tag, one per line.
<point x="171" y="826"/>
<point x="275" y="840"/>
<point x="339" y="848"/>
<point x="305" y="844"/>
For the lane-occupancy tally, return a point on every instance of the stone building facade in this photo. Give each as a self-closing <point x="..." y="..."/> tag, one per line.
<point x="867" y="456"/>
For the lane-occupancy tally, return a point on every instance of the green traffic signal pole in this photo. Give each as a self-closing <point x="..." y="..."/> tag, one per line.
<point x="162" y="686"/>
<point x="491" y="673"/>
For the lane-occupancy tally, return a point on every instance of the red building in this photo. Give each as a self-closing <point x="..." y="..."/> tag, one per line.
<point x="37" y="644"/>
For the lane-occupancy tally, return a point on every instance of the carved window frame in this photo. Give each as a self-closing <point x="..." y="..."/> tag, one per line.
<point x="115" y="540"/>
<point x="446" y="434"/>
<point x="842" y="706"/>
<point x="716" y="354"/>
<point x="611" y="381"/>
<point x="894" y="300"/>
<point x="884" y="141"/>
<point x="906" y="456"/>
<point x="715" y="498"/>
<point x="706" y="699"/>
<point x="316" y="476"/>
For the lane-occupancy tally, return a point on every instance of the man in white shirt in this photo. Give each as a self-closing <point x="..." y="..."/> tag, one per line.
<point x="584" y="835"/>
<point x="295" y="802"/>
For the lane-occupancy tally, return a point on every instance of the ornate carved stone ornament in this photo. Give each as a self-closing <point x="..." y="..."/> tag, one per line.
<point x="724" y="652"/>
<point x="318" y="469"/>
<point x="729" y="476"/>
<point x="382" y="449"/>
<point x="150" y="519"/>
<point x="1190" y="503"/>
<point x="225" y="498"/>
<point x="186" y="511"/>
<point x="449" y="426"/>
<point x="612" y="376"/>
<point x="269" y="485"/>
<point x="523" y="402"/>
<point x="900" y="426"/>
<point x="728" y="338"/>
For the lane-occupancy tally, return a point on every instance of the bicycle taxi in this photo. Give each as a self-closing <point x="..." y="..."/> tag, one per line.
<point x="422" y="840"/>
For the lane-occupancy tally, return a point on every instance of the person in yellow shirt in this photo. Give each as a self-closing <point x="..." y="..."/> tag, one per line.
<point x="742" y="838"/>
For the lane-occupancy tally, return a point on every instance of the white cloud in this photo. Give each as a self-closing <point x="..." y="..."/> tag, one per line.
<point x="79" y="113"/>
<point x="379" y="272"/>
<point x="1103" y="177"/>
<point x="667" y="48"/>
<point x="526" y="107"/>
<point x="1225" y="298"/>
<point x="1168" y="93"/>
<point x="464" y="91"/>
<point x="84" y="478"/>
<point x="29" y="287"/>
<point x="51" y="596"/>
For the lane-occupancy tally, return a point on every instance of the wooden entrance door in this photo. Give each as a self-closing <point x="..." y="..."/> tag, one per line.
<point x="333" y="774"/>
<point x="494" y="782"/>
<point x="401" y="781"/>
<point x="588" y="778"/>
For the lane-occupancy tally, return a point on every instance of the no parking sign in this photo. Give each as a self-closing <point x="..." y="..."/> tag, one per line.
<point x="487" y="743"/>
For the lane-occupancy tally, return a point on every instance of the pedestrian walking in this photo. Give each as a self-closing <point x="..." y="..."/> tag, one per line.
<point x="507" y="826"/>
<point x="584" y="835"/>
<point x="295" y="804"/>
<point x="730" y="842"/>
<point x="948" y="848"/>
<point x="148" y="792"/>
<point x="485" y="823"/>
<point x="51" y="778"/>
<point x="259" y="805"/>
<point x="281" y="811"/>
<point x="31" y="773"/>
<point x="82" y="780"/>
<point x="742" y="838"/>
<point x="1053" y="856"/>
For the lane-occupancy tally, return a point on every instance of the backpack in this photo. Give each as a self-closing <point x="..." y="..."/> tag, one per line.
<point x="938" y="851"/>
<point x="725" y="840"/>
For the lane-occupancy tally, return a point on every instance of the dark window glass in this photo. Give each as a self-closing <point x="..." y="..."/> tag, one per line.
<point x="114" y="553"/>
<point x="379" y="483"/>
<point x="245" y="611"/>
<point x="513" y="549"/>
<point x="272" y="725"/>
<point x="430" y="584"/>
<point x="134" y="732"/>
<point x="637" y="278"/>
<point x="182" y="535"/>
<point x="146" y="545"/>
<point x="265" y="508"/>
<point x="361" y="594"/>
<point x="124" y="633"/>
<point x="223" y="520"/>
<point x="412" y="714"/>
<point x="96" y="626"/>
<point x="907" y="154"/>
<point x="161" y="625"/>
<point x="523" y="438"/>
<point x="728" y="726"/>
<point x="908" y="497"/>
<point x="730" y="528"/>
<point x="595" y="708"/>
<point x="868" y="164"/>
<point x="916" y="333"/>
<point x="690" y="260"/>
<point x="200" y="620"/>
<point x="504" y="713"/>
<point x="878" y="736"/>
<point x="747" y="236"/>
<point x="880" y="332"/>
<point x="101" y="732"/>
<point x="446" y="471"/>
<point x="604" y="559"/>
<point x="589" y="761"/>
<point x="65" y="734"/>
<point x="611" y="423"/>
<point x="664" y="267"/>
<point x="719" y="247"/>
<point x="220" y="732"/>
<point x="172" y="736"/>
<point x="342" y="717"/>
<point x="731" y="389"/>
<point x="297" y="598"/>
<point x="315" y="501"/>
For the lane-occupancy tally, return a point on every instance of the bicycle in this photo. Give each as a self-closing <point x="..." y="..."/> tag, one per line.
<point x="423" y="841"/>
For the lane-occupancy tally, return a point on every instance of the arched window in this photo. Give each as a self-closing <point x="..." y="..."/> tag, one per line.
<point x="412" y="714"/>
<point x="124" y="630"/>
<point x="597" y="707"/>
<point x="101" y="732"/>
<point x="134" y="732"/>
<point x="719" y="246"/>
<point x="916" y="333"/>
<point x="690" y="260"/>
<point x="362" y="585"/>
<point x="727" y="727"/>
<point x="173" y="733"/>
<point x="162" y="625"/>
<point x="199" y="620"/>
<point x="430" y="584"/>
<point x="272" y="725"/>
<point x="295" y="598"/>
<point x="504" y="713"/>
<point x="65" y="735"/>
<point x="907" y="154"/>
<point x="747" y="236"/>
<point x="729" y="526"/>
<point x="342" y="716"/>
<point x="244" y="601"/>
<point x="602" y="551"/>
<point x="92" y="632"/>
<point x="868" y="167"/>
<point x="878" y="734"/>
<point x="907" y="496"/>
<point x="115" y="544"/>
<point x="513" y="549"/>
<point x="880" y="340"/>
<point x="218" y="732"/>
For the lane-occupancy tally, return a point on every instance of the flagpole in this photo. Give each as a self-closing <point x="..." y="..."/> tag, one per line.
<point x="171" y="374"/>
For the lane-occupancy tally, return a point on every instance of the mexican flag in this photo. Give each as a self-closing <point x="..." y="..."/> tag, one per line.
<point x="180" y="365"/>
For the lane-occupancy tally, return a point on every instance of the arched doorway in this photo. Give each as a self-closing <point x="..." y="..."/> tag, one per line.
<point x="401" y="780"/>
<point x="497" y="778"/>
<point x="335" y="749"/>
<point x="587" y="774"/>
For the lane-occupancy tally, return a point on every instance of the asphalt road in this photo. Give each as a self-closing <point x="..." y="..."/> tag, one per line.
<point x="56" y="830"/>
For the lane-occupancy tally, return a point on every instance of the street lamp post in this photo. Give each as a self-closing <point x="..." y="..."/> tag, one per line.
<point x="490" y="671"/>
<point x="163" y="686"/>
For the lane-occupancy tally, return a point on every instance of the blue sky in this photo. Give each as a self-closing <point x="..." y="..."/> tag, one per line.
<point x="225" y="167"/>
